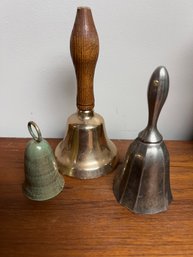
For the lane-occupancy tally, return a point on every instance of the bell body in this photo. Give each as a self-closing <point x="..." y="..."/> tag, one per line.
<point x="143" y="185"/>
<point x="86" y="152"/>
<point x="42" y="179"/>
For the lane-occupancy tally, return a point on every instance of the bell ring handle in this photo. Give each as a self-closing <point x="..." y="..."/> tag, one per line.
<point x="37" y="137"/>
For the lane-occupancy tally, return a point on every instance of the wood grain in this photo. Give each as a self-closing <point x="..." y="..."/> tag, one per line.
<point x="85" y="219"/>
<point x="84" y="47"/>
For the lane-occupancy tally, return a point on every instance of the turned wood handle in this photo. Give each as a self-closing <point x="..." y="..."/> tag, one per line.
<point x="157" y="94"/>
<point x="84" y="48"/>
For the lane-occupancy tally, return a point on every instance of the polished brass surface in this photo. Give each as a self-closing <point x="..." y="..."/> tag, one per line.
<point x="86" y="152"/>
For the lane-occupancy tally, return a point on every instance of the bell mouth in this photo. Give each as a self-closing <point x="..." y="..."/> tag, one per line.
<point x="45" y="191"/>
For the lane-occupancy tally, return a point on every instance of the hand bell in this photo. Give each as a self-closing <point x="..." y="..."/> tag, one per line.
<point x="143" y="185"/>
<point x="85" y="152"/>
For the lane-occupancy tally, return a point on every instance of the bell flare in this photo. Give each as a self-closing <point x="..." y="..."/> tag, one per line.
<point x="86" y="152"/>
<point x="42" y="179"/>
<point x="143" y="185"/>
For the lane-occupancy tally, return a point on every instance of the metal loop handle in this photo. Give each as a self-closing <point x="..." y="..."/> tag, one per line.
<point x="37" y="137"/>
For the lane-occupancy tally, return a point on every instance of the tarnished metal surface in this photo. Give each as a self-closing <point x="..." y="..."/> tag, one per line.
<point x="42" y="179"/>
<point x="143" y="185"/>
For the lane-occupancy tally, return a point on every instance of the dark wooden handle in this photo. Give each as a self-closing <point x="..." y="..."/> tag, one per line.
<point x="84" y="47"/>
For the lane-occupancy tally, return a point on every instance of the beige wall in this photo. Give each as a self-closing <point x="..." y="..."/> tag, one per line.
<point x="37" y="80"/>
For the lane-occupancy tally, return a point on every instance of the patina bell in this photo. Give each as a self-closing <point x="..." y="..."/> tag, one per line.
<point x="42" y="179"/>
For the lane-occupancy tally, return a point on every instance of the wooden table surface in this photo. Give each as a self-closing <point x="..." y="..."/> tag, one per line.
<point x="86" y="220"/>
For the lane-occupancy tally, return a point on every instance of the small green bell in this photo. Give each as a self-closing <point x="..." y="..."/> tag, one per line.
<point x="42" y="179"/>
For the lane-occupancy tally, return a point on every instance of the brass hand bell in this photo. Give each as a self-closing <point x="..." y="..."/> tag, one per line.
<point x="85" y="152"/>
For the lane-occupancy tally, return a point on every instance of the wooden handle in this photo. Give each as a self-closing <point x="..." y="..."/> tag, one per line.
<point x="84" y="47"/>
<point x="157" y="94"/>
